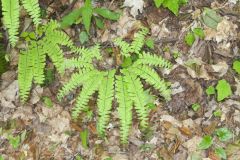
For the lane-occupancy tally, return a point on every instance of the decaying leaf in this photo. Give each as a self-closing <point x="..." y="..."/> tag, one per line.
<point x="221" y="68"/>
<point x="136" y="6"/>
<point x="211" y="18"/>
<point x="225" y="31"/>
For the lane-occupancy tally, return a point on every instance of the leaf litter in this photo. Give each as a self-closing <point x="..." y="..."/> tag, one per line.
<point x="50" y="133"/>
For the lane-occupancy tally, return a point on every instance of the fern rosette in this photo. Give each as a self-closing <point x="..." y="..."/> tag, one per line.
<point x="32" y="60"/>
<point x="122" y="84"/>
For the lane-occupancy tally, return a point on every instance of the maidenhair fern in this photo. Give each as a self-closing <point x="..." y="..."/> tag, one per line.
<point x="32" y="7"/>
<point x="48" y="41"/>
<point x="11" y="11"/>
<point x="123" y="83"/>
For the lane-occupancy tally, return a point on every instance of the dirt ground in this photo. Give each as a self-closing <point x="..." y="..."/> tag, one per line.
<point x="175" y="129"/>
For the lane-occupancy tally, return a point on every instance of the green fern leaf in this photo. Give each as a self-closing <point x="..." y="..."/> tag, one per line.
<point x="138" y="40"/>
<point x="124" y="108"/>
<point x="84" y="61"/>
<point x="136" y="93"/>
<point x="25" y="74"/>
<point x="35" y="57"/>
<point x="89" y="87"/>
<point x="38" y="59"/>
<point x="129" y="91"/>
<point x="56" y="55"/>
<point x="71" y="85"/>
<point x="148" y="59"/>
<point x="124" y="46"/>
<point x="33" y="9"/>
<point x="76" y="80"/>
<point x="135" y="47"/>
<point x="150" y="76"/>
<point x="11" y="11"/>
<point x="87" y="54"/>
<point x="59" y="37"/>
<point x="78" y="63"/>
<point x="105" y="97"/>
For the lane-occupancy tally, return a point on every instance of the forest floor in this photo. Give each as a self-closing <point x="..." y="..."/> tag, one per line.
<point x="176" y="127"/>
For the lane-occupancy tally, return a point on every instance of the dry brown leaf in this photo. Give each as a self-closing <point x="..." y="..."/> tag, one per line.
<point x="213" y="156"/>
<point x="221" y="68"/>
<point x="136" y="6"/>
<point x="210" y="128"/>
<point x="186" y="131"/>
<point x="171" y="119"/>
<point x="11" y="92"/>
<point x="192" y="144"/>
<point x="226" y="31"/>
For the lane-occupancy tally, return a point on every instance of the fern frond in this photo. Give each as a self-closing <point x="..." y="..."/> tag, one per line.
<point x="48" y="44"/>
<point x="95" y="52"/>
<point x="151" y="77"/>
<point x="78" y="63"/>
<point x="38" y="60"/>
<point x="25" y="74"/>
<point x="52" y="41"/>
<point x="76" y="80"/>
<point x="56" y="55"/>
<point x="33" y="9"/>
<point x="86" y="56"/>
<point x="59" y="37"/>
<point x="89" y="53"/>
<point x="71" y="85"/>
<point x="124" y="47"/>
<point x="53" y="34"/>
<point x="154" y="60"/>
<point x="52" y="25"/>
<point x="84" y="61"/>
<point x="89" y="87"/>
<point x="81" y="50"/>
<point x="124" y="108"/>
<point x="105" y="97"/>
<point x="136" y="93"/>
<point x="138" y="40"/>
<point x="11" y="11"/>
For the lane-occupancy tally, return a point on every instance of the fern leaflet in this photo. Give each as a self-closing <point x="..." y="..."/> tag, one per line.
<point x="151" y="77"/>
<point x="33" y="9"/>
<point x="138" y="40"/>
<point x="124" y="46"/>
<point x="136" y="93"/>
<point x="25" y="74"/>
<point x="78" y="63"/>
<point x="11" y="11"/>
<point x="77" y="80"/>
<point x="105" y="97"/>
<point x="38" y="59"/>
<point x="148" y="59"/>
<point x="89" y="87"/>
<point x="124" y="108"/>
